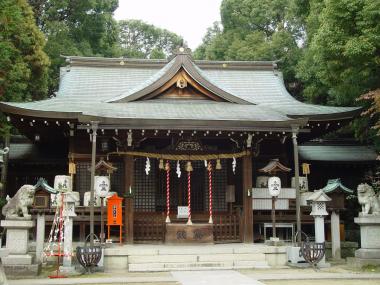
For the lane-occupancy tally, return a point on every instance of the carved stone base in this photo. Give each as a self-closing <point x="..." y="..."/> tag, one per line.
<point x="19" y="262"/>
<point x="30" y="270"/>
<point x="183" y="233"/>
<point x="369" y="253"/>
<point x="17" y="235"/>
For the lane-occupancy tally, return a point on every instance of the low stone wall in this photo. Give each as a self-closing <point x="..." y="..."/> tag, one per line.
<point x="347" y="249"/>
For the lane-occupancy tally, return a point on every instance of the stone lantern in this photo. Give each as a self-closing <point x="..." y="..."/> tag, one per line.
<point x="318" y="202"/>
<point x="69" y="201"/>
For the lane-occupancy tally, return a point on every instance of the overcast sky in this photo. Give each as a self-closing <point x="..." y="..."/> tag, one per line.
<point x="188" y="18"/>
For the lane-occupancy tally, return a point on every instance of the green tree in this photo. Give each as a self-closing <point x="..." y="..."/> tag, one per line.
<point x="342" y="60"/>
<point x="141" y="40"/>
<point x="84" y="28"/>
<point x="23" y="63"/>
<point x="256" y="30"/>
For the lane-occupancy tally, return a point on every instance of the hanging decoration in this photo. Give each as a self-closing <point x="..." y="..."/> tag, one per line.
<point x="72" y="168"/>
<point x="189" y="222"/>
<point x="183" y="156"/>
<point x="205" y="163"/>
<point x="209" y="168"/>
<point x="56" y="237"/>
<point x="218" y="164"/>
<point x="167" y="168"/>
<point x="161" y="164"/>
<point x="189" y="167"/>
<point x="178" y="171"/>
<point x="147" y="166"/>
<point x="233" y="165"/>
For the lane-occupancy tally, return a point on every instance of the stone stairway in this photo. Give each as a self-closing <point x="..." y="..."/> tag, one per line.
<point x="142" y="258"/>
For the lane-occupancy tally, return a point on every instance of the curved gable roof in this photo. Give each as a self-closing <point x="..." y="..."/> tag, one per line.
<point x="181" y="60"/>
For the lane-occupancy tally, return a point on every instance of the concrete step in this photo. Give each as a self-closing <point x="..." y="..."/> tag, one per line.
<point x="171" y="258"/>
<point x="176" y="266"/>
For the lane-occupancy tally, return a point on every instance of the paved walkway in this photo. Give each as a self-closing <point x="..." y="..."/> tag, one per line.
<point x="216" y="277"/>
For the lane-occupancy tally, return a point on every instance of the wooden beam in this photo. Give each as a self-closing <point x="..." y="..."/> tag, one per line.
<point x="129" y="169"/>
<point x="247" y="200"/>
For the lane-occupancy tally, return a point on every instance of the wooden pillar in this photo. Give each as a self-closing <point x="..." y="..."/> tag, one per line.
<point x="247" y="200"/>
<point x="129" y="169"/>
<point x="4" y="170"/>
<point x="94" y="127"/>
<point x="295" y="130"/>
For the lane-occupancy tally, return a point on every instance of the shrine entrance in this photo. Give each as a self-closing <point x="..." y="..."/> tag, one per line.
<point x="153" y="201"/>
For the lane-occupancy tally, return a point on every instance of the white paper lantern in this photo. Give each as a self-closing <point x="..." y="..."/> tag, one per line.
<point x="102" y="186"/>
<point x="62" y="183"/>
<point x="274" y="186"/>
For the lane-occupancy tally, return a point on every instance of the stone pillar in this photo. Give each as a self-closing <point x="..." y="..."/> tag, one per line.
<point x="19" y="261"/>
<point x="335" y="235"/>
<point x="68" y="214"/>
<point x="40" y="239"/>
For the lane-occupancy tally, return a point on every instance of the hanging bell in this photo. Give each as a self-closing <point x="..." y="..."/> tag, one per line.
<point x="167" y="166"/>
<point x="218" y="164"/>
<point x="189" y="167"/>
<point x="161" y="164"/>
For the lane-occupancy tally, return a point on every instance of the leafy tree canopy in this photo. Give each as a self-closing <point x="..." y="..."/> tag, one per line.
<point x="141" y="40"/>
<point x="342" y="60"/>
<point x="255" y="30"/>
<point x="23" y="63"/>
<point x="72" y="27"/>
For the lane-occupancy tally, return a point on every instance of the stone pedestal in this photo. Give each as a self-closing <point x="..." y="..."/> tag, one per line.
<point x="369" y="253"/>
<point x="19" y="262"/>
<point x="3" y="279"/>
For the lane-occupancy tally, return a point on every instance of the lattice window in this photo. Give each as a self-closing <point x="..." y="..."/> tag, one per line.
<point x="174" y="188"/>
<point x="145" y="185"/>
<point x="321" y="206"/>
<point x="219" y="185"/>
<point x="150" y="191"/>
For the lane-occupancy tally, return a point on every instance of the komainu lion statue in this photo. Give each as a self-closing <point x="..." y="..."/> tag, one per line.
<point x="17" y="207"/>
<point x="368" y="200"/>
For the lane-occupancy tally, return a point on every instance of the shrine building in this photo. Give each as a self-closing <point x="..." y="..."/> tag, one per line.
<point x="188" y="140"/>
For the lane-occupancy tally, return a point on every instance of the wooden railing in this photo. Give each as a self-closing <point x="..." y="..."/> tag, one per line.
<point x="149" y="227"/>
<point x="227" y="227"/>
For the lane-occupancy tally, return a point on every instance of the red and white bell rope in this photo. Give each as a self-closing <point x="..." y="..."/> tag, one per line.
<point x="209" y="168"/>
<point x="189" y="222"/>
<point x="167" y="168"/>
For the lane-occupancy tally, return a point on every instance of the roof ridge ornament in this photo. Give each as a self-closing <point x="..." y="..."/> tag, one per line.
<point x="181" y="50"/>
